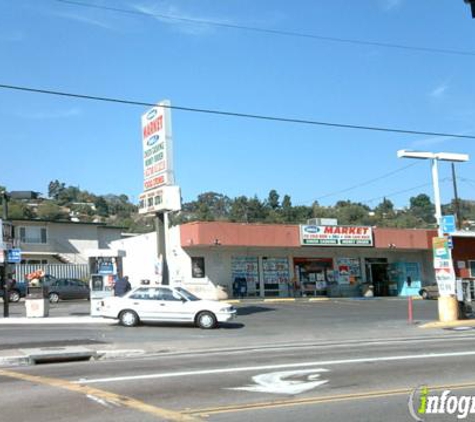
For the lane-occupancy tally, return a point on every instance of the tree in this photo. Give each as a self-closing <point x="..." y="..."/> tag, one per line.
<point x="239" y="212"/>
<point x="273" y="200"/>
<point x="101" y="207"/>
<point x="287" y="210"/>
<point x="55" y="187"/>
<point x="422" y="208"/>
<point x="256" y="211"/>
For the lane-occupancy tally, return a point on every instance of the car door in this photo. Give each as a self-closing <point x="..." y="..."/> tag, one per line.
<point x="59" y="287"/>
<point x="78" y="289"/>
<point x="173" y="307"/>
<point x="144" y="302"/>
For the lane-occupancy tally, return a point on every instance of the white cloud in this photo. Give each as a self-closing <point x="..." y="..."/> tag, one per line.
<point x="184" y="22"/>
<point x="439" y="90"/>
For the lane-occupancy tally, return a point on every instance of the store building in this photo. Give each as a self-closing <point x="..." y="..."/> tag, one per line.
<point x="269" y="260"/>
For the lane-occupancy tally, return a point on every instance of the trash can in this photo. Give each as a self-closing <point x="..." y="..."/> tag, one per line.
<point x="37" y="303"/>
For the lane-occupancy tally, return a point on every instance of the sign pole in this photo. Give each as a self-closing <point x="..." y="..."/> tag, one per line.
<point x="161" y="246"/>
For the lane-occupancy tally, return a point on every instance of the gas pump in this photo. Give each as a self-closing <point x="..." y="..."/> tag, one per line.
<point x="105" y="267"/>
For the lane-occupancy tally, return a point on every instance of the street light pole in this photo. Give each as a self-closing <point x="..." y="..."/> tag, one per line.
<point x="447" y="303"/>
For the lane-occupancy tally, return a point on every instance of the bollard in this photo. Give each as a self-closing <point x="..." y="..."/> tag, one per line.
<point x="409" y="310"/>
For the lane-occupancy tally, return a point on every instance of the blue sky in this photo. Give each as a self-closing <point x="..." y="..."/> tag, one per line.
<point x="52" y="45"/>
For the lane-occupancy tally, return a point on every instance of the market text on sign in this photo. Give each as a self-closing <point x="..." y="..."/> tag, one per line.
<point x="345" y="230"/>
<point x="152" y="127"/>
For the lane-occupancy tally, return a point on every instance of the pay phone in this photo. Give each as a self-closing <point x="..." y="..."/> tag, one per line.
<point x="105" y="266"/>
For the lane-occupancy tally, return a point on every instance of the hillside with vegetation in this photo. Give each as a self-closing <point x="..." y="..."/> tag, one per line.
<point x="70" y="203"/>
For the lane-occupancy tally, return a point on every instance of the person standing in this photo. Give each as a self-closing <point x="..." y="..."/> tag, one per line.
<point x="122" y="286"/>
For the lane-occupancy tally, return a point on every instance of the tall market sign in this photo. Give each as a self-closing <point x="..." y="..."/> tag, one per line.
<point x="159" y="194"/>
<point x="157" y="146"/>
<point x="336" y="235"/>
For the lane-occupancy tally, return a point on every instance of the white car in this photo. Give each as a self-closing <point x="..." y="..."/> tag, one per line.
<point x="167" y="304"/>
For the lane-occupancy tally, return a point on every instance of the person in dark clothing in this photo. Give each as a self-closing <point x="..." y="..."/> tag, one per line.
<point x="122" y="286"/>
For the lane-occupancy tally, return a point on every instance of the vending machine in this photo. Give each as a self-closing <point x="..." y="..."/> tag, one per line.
<point x="105" y="267"/>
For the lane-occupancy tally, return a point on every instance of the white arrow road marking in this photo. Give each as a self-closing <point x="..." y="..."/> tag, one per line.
<point x="103" y="402"/>
<point x="275" y="382"/>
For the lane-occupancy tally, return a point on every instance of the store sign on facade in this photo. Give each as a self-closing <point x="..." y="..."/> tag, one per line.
<point x="336" y="235"/>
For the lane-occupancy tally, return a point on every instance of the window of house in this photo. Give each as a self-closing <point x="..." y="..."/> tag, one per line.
<point x="472" y="268"/>
<point x="197" y="267"/>
<point x="32" y="234"/>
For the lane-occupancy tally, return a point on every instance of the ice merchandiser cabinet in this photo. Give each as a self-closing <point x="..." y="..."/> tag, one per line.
<point x="105" y="267"/>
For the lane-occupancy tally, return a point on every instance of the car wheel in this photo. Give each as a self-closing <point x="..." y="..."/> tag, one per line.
<point x="424" y="295"/>
<point x="14" y="296"/>
<point x="128" y="318"/>
<point x="206" y="320"/>
<point x="53" y="297"/>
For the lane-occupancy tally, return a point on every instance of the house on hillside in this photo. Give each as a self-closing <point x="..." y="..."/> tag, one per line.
<point x="61" y="242"/>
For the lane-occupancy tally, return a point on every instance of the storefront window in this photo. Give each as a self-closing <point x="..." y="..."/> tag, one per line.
<point x="197" y="267"/>
<point x="276" y="276"/>
<point x="313" y="275"/>
<point x="348" y="271"/>
<point x="245" y="276"/>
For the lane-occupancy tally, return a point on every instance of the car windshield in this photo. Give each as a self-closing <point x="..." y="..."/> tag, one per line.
<point x="187" y="294"/>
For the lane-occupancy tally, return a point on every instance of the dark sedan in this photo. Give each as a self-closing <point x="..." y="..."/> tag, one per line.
<point x="429" y="292"/>
<point x="16" y="291"/>
<point x="67" y="288"/>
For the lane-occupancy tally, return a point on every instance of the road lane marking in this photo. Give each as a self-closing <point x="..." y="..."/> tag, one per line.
<point x="317" y="400"/>
<point x="106" y="396"/>
<point x="276" y="383"/>
<point x="271" y="367"/>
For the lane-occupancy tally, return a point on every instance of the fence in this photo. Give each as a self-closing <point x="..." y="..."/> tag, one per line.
<point x="80" y="271"/>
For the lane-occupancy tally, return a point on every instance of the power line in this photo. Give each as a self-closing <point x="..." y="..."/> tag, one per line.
<point x="234" y="114"/>
<point x="402" y="191"/>
<point x="369" y="182"/>
<point x="270" y="31"/>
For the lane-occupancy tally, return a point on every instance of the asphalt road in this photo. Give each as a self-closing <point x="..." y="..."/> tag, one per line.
<point x="358" y="382"/>
<point x="327" y="361"/>
<point x="257" y="323"/>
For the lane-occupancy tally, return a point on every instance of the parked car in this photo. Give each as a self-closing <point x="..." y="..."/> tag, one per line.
<point x="166" y="304"/>
<point x="66" y="288"/>
<point x="16" y="291"/>
<point x="430" y="292"/>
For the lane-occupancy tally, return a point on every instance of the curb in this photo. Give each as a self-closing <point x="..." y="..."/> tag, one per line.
<point x="56" y="321"/>
<point x="66" y="354"/>
<point x="450" y="324"/>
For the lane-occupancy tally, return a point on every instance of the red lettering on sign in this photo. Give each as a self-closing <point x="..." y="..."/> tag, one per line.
<point x="152" y="127"/>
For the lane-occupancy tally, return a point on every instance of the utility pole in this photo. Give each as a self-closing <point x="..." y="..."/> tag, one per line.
<point x="458" y="219"/>
<point x="6" y="299"/>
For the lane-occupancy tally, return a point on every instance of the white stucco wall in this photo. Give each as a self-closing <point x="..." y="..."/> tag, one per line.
<point x="140" y="259"/>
